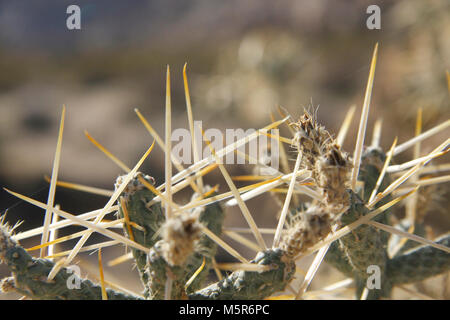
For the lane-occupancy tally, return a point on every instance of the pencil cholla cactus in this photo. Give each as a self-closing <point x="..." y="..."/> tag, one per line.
<point x="174" y="246"/>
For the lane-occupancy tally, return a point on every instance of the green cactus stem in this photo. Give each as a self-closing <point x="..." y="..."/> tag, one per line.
<point x="419" y="263"/>
<point x="158" y="269"/>
<point x="252" y="285"/>
<point x="29" y="277"/>
<point x="136" y="197"/>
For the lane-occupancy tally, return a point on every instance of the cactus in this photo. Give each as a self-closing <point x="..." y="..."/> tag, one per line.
<point x="174" y="246"/>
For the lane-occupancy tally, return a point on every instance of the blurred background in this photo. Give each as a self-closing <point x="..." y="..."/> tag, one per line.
<point x="244" y="59"/>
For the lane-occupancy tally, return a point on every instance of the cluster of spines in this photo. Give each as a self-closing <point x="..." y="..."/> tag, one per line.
<point x="330" y="168"/>
<point x="30" y="277"/>
<point x="6" y="242"/>
<point x="177" y="248"/>
<point x="306" y="229"/>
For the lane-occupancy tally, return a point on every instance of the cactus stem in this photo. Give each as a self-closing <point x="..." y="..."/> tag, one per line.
<point x="350" y="227"/>
<point x="116" y="194"/>
<point x="158" y="193"/>
<point x="251" y="285"/>
<point x="419" y="263"/>
<point x="29" y="276"/>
